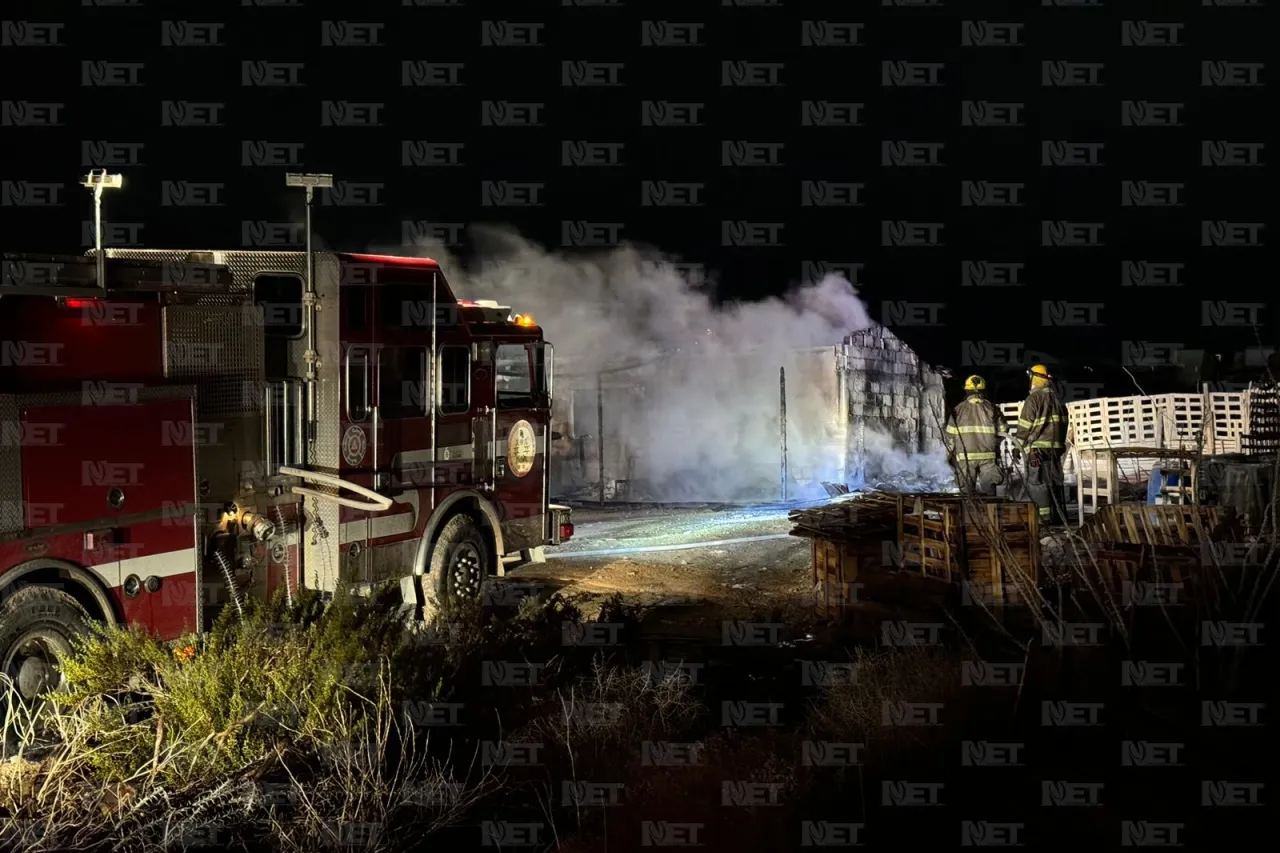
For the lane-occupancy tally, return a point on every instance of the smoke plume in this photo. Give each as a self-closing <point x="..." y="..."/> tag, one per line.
<point x="692" y="387"/>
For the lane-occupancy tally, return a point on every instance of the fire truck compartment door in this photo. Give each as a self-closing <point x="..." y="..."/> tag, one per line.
<point x="112" y="462"/>
<point x="124" y="477"/>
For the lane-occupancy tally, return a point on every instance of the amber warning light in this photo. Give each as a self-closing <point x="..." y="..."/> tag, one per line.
<point x="524" y="320"/>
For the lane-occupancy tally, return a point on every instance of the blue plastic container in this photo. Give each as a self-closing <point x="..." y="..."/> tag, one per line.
<point x="1161" y="479"/>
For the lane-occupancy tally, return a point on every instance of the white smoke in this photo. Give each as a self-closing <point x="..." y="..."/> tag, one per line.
<point x="706" y="426"/>
<point x="878" y="459"/>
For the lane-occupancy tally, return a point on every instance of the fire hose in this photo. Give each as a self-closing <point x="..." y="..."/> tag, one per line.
<point x="683" y="546"/>
<point x="374" y="502"/>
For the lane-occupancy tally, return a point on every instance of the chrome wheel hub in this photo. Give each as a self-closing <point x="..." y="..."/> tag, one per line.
<point x="466" y="571"/>
<point x="37" y="671"/>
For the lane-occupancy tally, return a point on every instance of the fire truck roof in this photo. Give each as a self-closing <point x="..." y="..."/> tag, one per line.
<point x="77" y="275"/>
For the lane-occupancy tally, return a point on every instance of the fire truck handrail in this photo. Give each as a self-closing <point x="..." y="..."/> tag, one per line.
<point x="375" y="502"/>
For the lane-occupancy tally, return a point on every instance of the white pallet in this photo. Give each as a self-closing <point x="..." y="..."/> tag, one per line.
<point x="1182" y="424"/>
<point x="1166" y="421"/>
<point x="1230" y="421"/>
<point x="1114" y="422"/>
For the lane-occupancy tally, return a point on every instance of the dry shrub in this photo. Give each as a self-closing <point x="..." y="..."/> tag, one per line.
<point x="341" y="791"/>
<point x="355" y="798"/>
<point x="280" y="725"/>
<point x="609" y="714"/>
<point x="856" y="713"/>
<point x="190" y="712"/>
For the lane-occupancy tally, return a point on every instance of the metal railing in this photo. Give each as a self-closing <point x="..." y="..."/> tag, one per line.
<point x="285" y="421"/>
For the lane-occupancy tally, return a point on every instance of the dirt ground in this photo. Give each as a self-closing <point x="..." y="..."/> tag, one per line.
<point x="705" y="574"/>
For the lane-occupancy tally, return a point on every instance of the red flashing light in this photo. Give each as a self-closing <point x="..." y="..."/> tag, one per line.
<point x="393" y="259"/>
<point x="566" y="531"/>
<point x="80" y="303"/>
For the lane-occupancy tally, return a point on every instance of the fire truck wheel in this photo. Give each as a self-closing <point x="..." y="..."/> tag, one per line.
<point x="460" y="559"/>
<point x="37" y="624"/>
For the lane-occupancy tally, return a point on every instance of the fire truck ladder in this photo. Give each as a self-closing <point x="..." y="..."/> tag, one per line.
<point x="373" y="502"/>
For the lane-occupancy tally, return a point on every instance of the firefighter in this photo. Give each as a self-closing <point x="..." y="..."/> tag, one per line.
<point x="1042" y="431"/>
<point x="973" y="440"/>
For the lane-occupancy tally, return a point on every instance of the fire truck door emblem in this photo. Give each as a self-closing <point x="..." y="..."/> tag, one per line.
<point x="522" y="447"/>
<point x="354" y="445"/>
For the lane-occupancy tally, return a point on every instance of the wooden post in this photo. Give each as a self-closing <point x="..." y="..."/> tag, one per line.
<point x="842" y="407"/>
<point x="600" y="431"/>
<point x="782" y="424"/>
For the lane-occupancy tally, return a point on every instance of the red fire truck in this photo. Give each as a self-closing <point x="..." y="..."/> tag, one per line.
<point x="186" y="429"/>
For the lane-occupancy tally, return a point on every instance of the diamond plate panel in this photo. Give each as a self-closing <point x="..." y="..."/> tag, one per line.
<point x="322" y="557"/>
<point x="11" y="436"/>
<point x="214" y="348"/>
<point x="245" y="264"/>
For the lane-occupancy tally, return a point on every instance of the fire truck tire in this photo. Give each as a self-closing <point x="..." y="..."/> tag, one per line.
<point x="37" y="626"/>
<point x="461" y="559"/>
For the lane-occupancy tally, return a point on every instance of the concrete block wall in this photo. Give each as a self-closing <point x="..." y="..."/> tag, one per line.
<point x="893" y="392"/>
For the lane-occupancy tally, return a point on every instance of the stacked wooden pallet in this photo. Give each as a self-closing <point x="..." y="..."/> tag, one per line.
<point x="990" y="542"/>
<point x="847" y="520"/>
<point x="987" y="541"/>
<point x="1144" y="524"/>
<point x="1137" y="544"/>
<point x="846" y="538"/>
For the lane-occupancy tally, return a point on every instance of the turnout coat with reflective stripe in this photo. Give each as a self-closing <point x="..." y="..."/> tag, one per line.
<point x="1042" y="423"/>
<point x="974" y="430"/>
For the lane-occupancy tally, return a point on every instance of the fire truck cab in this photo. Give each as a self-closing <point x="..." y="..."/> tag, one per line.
<point x="185" y="429"/>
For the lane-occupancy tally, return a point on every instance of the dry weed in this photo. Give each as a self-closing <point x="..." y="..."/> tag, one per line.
<point x="614" y="707"/>
<point x="885" y="679"/>
<point x="333" y="786"/>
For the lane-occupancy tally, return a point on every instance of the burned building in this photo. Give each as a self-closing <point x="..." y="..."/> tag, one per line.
<point x="709" y="425"/>
<point x="893" y="394"/>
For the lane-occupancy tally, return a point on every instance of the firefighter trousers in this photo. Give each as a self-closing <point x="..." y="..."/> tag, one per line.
<point x="1044" y="485"/>
<point x="979" y="478"/>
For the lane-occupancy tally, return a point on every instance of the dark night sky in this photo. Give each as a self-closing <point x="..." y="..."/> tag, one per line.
<point x="175" y="105"/>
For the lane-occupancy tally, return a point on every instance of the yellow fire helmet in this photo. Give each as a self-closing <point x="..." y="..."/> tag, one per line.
<point x="1040" y="375"/>
<point x="975" y="383"/>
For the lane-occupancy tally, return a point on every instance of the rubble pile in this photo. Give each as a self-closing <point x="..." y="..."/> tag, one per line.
<point x="909" y="481"/>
